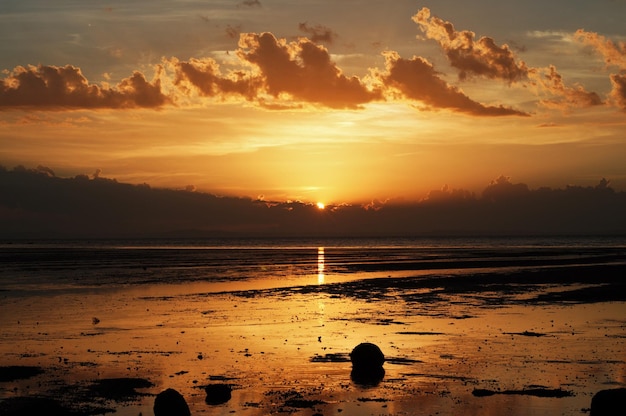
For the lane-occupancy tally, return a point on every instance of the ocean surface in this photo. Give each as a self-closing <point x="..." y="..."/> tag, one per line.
<point x="231" y="264"/>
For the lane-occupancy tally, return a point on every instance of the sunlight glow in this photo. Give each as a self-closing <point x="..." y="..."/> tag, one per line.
<point x="320" y="266"/>
<point x="320" y="205"/>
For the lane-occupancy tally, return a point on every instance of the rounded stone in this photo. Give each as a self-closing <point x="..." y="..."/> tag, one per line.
<point x="170" y="403"/>
<point x="367" y="355"/>
<point x="609" y="402"/>
<point x="217" y="393"/>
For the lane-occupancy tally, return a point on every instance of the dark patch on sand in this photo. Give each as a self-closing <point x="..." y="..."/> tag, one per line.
<point x="292" y="399"/>
<point x="119" y="389"/>
<point x="339" y="357"/>
<point x="373" y="399"/>
<point x="419" y="333"/>
<point x="526" y="334"/>
<point x="526" y="285"/>
<point x="402" y="361"/>
<point x="536" y="392"/>
<point x="34" y="405"/>
<point x="18" y="372"/>
<point x="87" y="398"/>
<point x="438" y="376"/>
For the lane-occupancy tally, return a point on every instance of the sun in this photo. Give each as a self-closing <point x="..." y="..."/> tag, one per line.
<point x="320" y="205"/>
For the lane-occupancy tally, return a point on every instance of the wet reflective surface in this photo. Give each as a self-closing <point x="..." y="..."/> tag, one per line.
<point x="280" y="332"/>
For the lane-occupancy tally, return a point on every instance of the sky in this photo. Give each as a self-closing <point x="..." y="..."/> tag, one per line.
<point x="316" y="100"/>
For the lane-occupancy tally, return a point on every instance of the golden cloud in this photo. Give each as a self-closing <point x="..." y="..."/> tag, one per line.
<point x="417" y="79"/>
<point x="304" y="71"/>
<point x="480" y="57"/>
<point x="55" y="87"/>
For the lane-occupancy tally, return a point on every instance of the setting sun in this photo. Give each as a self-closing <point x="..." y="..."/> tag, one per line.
<point x="320" y="205"/>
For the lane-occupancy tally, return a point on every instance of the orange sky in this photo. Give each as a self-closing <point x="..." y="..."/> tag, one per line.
<point x="332" y="102"/>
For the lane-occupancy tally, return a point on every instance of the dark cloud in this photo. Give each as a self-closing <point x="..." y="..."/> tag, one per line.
<point x="204" y="76"/>
<point x="417" y="79"/>
<point x="480" y="57"/>
<point x="55" y="87"/>
<point x="35" y="204"/>
<point x="250" y="3"/>
<point x="318" y="33"/>
<point x="233" y="31"/>
<point x="304" y="71"/>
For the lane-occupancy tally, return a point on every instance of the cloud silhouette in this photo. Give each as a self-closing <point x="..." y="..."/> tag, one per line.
<point x="417" y="79"/>
<point x="55" y="87"/>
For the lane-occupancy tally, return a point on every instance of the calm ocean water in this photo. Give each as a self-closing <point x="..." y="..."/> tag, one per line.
<point x="66" y="264"/>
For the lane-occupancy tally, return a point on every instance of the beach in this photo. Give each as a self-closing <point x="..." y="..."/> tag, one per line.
<point x="517" y="330"/>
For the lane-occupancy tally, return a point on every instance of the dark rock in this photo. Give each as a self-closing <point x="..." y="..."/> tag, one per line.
<point x="608" y="402"/>
<point x="367" y="364"/>
<point x="217" y="393"/>
<point x="170" y="403"/>
<point x="367" y="355"/>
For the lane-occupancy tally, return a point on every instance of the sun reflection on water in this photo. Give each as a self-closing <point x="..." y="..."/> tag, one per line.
<point x="320" y="266"/>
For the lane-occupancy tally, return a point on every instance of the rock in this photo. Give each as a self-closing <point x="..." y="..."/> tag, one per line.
<point x="367" y="355"/>
<point x="170" y="403"/>
<point x="608" y="402"/>
<point x="217" y="393"/>
<point x="367" y="364"/>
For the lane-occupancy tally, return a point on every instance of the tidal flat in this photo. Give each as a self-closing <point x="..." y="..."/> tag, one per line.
<point x="477" y="341"/>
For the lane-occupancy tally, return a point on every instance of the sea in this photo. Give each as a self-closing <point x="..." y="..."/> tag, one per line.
<point x="238" y="263"/>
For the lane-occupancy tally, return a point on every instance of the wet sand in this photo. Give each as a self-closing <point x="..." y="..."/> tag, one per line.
<point x="514" y="342"/>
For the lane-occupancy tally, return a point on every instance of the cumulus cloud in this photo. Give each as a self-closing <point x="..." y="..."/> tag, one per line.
<point x="318" y="33"/>
<point x="618" y="94"/>
<point x="277" y="74"/>
<point x="471" y="56"/>
<point x="562" y="96"/>
<point x="417" y="79"/>
<point x="304" y="71"/>
<point x="484" y="58"/>
<point x="614" y="54"/>
<point x="57" y="87"/>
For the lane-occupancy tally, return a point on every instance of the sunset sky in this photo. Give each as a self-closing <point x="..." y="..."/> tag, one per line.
<point x="316" y="100"/>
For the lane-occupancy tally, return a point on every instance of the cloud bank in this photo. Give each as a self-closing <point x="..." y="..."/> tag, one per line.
<point x="34" y="203"/>
<point x="275" y="73"/>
